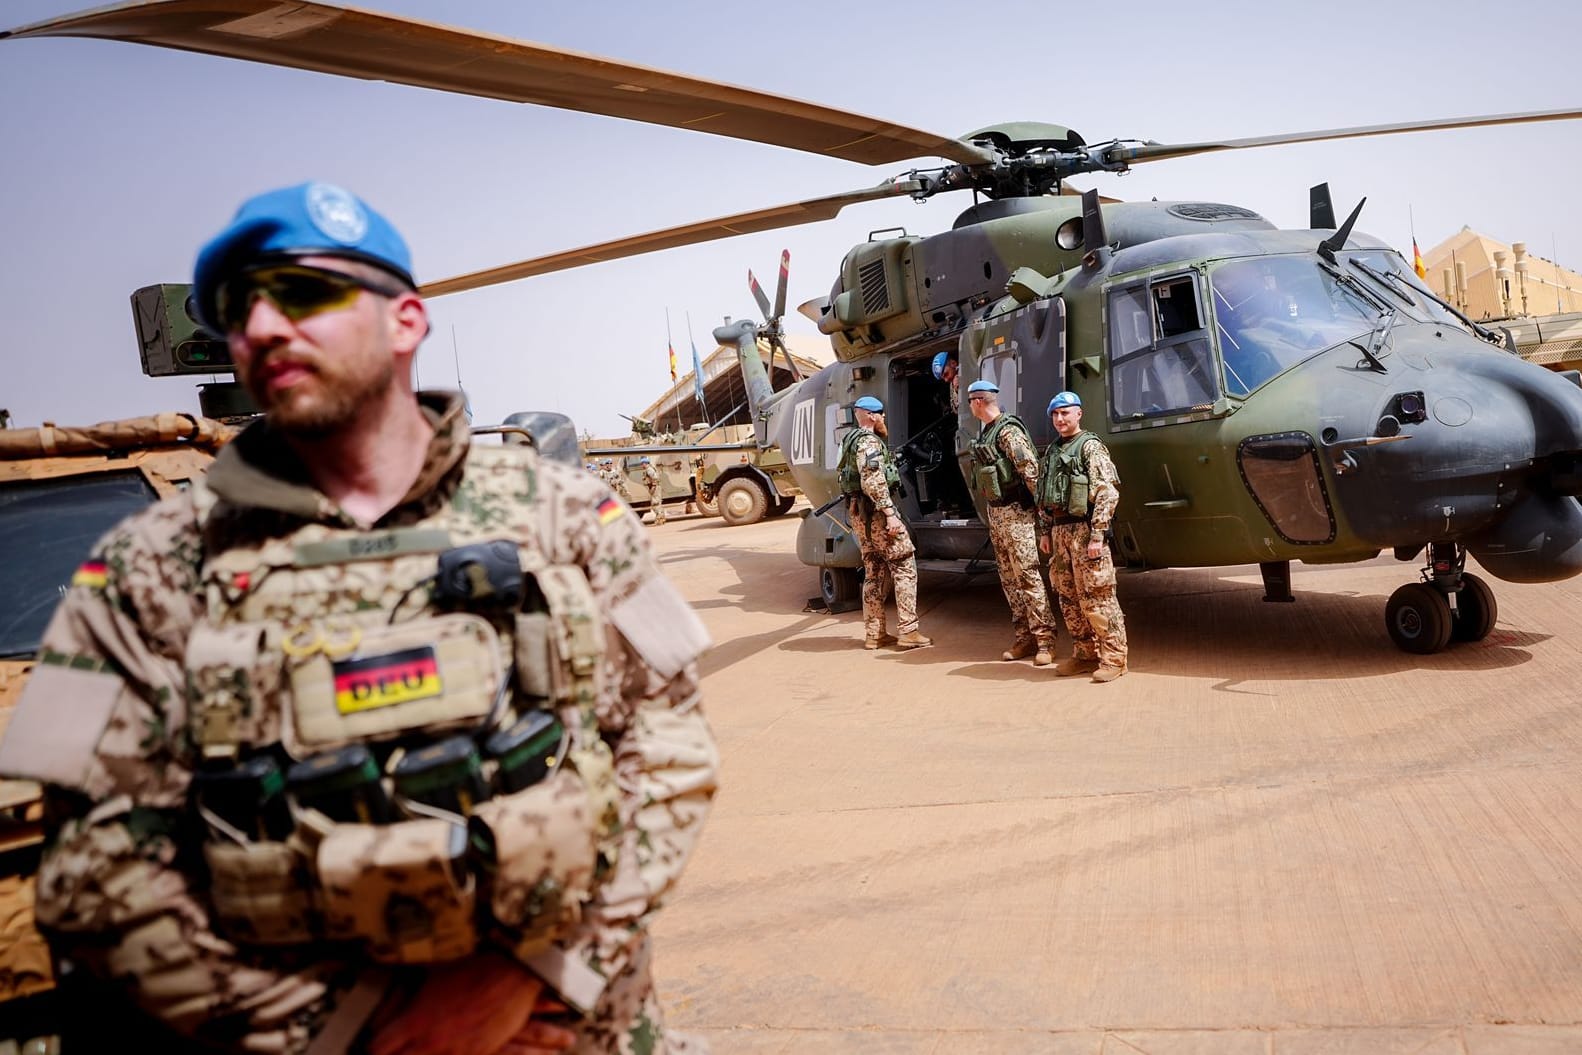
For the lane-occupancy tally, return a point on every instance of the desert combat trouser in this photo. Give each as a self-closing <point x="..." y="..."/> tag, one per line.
<point x="888" y="561"/>
<point x="1087" y="596"/>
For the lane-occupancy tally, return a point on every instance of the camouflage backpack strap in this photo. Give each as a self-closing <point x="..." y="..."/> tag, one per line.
<point x="848" y="475"/>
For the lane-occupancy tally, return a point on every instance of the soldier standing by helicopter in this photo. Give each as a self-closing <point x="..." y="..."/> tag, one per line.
<point x="1076" y="502"/>
<point x="948" y="370"/>
<point x="615" y="478"/>
<point x="869" y="479"/>
<point x="656" y="501"/>
<point x="1006" y="475"/>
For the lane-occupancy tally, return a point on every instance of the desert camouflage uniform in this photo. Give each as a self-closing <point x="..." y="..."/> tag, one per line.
<point x="656" y="501"/>
<point x="121" y="888"/>
<point x="1088" y="605"/>
<point x="888" y="560"/>
<point x="1014" y="533"/>
<point x="955" y="393"/>
<point x="615" y="479"/>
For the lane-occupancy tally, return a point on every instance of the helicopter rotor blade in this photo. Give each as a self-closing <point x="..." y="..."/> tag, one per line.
<point x="780" y="289"/>
<point x="770" y="219"/>
<point x="375" y="46"/>
<point x="758" y="295"/>
<point x="1131" y="153"/>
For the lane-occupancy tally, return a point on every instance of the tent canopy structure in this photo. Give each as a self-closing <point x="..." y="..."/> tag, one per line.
<point x="723" y="390"/>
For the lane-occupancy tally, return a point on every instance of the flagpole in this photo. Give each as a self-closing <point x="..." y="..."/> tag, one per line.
<point x="697" y="372"/>
<point x="670" y="348"/>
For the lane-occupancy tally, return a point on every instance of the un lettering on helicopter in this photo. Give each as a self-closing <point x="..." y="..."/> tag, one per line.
<point x="1268" y="395"/>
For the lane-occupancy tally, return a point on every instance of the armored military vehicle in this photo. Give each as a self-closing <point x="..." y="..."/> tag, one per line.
<point x="60" y="490"/>
<point x="721" y="470"/>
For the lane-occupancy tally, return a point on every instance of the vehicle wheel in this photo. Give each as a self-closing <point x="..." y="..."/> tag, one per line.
<point x="782" y="506"/>
<point x="1418" y="619"/>
<point x="709" y="507"/>
<point x="742" y="502"/>
<point x="1475" y="612"/>
<point x="841" y="588"/>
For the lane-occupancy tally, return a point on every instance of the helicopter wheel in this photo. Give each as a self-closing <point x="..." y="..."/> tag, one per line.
<point x="1475" y="612"/>
<point x="841" y="588"/>
<point x="1418" y="619"/>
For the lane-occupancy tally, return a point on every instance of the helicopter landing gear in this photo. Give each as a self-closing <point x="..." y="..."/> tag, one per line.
<point x="841" y="588"/>
<point x="1276" y="580"/>
<point x="1420" y="616"/>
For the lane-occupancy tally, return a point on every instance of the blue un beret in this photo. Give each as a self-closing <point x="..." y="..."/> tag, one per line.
<point x="870" y="404"/>
<point x="1064" y="399"/>
<point x="982" y="386"/>
<point x="309" y="219"/>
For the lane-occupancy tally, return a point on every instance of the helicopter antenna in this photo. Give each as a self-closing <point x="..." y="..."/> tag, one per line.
<point x="455" y="355"/>
<point x="1327" y="247"/>
<point x="1320" y="208"/>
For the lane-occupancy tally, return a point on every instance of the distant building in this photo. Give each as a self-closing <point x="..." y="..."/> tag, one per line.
<point x="1487" y="279"/>
<point x="723" y="389"/>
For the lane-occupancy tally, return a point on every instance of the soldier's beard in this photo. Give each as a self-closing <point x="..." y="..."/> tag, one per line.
<point x="880" y="429"/>
<point x="329" y="401"/>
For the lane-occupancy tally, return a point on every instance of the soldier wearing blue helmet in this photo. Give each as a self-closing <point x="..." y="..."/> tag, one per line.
<point x="1005" y="479"/>
<point x="947" y="369"/>
<point x="1076" y="503"/>
<point x="869" y="480"/>
<point x="278" y="676"/>
<point x="656" y="500"/>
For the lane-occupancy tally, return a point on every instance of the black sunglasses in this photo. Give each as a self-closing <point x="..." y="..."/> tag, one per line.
<point x="297" y="290"/>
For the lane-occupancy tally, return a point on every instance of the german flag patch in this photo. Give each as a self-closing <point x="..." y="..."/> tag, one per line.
<point x="384" y="681"/>
<point x="91" y="574"/>
<point x="608" y="510"/>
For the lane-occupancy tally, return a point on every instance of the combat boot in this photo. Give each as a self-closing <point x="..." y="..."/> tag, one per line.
<point x="1108" y="673"/>
<point x="878" y="641"/>
<point x="914" y="639"/>
<point x="1020" y="650"/>
<point x="1044" y="656"/>
<point x="1068" y="667"/>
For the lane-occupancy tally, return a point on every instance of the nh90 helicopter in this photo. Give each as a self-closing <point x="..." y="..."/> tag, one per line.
<point x="1268" y="395"/>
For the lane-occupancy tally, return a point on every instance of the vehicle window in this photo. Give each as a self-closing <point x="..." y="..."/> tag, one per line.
<point x="1282" y="473"/>
<point x="1273" y="312"/>
<point x="1161" y="359"/>
<point x="55" y="523"/>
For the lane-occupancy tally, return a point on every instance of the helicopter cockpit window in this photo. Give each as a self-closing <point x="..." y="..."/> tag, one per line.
<point x="1160" y="358"/>
<point x="1391" y="271"/>
<point x="1273" y="312"/>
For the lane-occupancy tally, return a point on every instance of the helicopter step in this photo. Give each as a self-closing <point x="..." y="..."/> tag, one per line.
<point x="1449" y="604"/>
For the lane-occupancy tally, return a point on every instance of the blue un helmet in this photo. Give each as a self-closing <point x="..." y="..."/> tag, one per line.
<point x="939" y="365"/>
<point x="870" y="404"/>
<point x="1064" y="399"/>
<point x="309" y="219"/>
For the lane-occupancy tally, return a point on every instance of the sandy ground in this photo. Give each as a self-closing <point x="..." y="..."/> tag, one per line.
<point x="1276" y="834"/>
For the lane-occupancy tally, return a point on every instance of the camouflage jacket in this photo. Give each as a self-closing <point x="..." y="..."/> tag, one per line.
<point x="121" y="889"/>
<point x="872" y="455"/>
<point x="1104" y="491"/>
<point x="1017" y="446"/>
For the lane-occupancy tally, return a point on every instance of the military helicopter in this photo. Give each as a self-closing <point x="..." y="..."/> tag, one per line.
<point x="1269" y="395"/>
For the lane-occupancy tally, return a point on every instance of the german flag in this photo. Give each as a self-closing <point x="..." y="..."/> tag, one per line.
<point x="1417" y="260"/>
<point x="608" y="510"/>
<point x="383" y="681"/>
<point x="91" y="574"/>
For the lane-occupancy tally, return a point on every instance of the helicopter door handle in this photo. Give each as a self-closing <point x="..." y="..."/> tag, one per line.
<point x="1169" y="503"/>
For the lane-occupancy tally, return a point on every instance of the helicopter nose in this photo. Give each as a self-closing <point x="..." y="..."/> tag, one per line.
<point x="1491" y="458"/>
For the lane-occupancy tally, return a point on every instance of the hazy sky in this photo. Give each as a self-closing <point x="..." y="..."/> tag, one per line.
<point x="119" y="160"/>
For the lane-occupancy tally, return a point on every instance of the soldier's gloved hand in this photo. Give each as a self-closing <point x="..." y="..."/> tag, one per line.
<point x="478" y="1006"/>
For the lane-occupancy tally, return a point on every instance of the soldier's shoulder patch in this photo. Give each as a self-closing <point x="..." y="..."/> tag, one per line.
<point x="92" y="574"/>
<point x="609" y="509"/>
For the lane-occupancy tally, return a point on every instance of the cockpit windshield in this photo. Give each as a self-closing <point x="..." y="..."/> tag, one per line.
<point x="1273" y="312"/>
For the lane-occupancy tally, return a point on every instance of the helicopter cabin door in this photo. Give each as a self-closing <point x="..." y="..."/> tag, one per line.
<point x="1161" y="363"/>
<point x="1024" y="353"/>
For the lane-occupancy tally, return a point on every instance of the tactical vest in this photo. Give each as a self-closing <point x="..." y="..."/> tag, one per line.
<point x="441" y="770"/>
<point x="995" y="477"/>
<point x="850" y="473"/>
<point x="1063" y="486"/>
